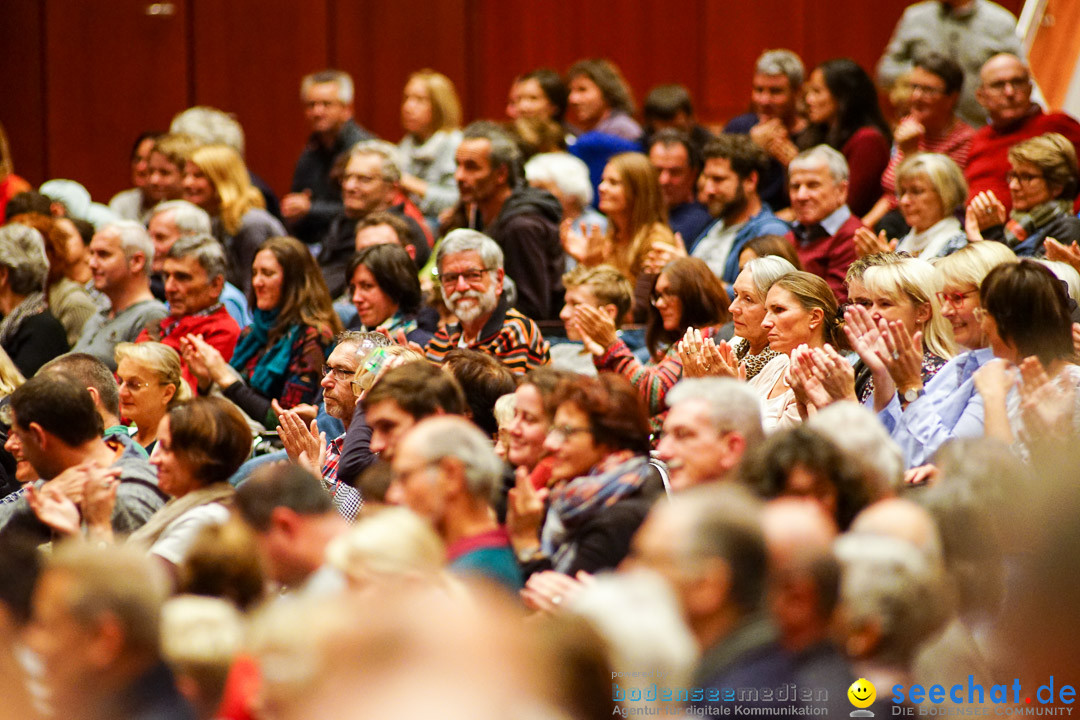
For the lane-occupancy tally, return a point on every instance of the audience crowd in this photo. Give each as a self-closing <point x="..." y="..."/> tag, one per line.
<point x="573" y="414"/>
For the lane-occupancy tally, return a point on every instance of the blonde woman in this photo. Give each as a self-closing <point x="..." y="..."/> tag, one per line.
<point x="637" y="219"/>
<point x="906" y="292"/>
<point x="431" y="118"/>
<point x="216" y="179"/>
<point x="150" y="385"/>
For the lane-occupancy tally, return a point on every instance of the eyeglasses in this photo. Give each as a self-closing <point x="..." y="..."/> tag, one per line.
<point x="956" y="299"/>
<point x="340" y="374"/>
<point x="400" y="476"/>
<point x="472" y="277"/>
<point x="136" y="385"/>
<point x="1022" y="178"/>
<point x="1016" y="84"/>
<point x="562" y="433"/>
<point x="656" y="296"/>
<point x="926" y="89"/>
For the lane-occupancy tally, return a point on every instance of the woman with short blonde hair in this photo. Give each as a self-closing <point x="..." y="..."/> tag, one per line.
<point x="929" y="188"/>
<point x="1043" y="182"/>
<point x="907" y="292"/>
<point x="216" y="179"/>
<point x="151" y="384"/>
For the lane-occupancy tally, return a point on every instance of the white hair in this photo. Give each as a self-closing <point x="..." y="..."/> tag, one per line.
<point x="133" y="239"/>
<point x="465" y="240"/>
<point x="340" y="78"/>
<point x="857" y="431"/>
<point x="393" y="541"/>
<point x="639" y="616"/>
<point x="189" y="218"/>
<point x="825" y="155"/>
<point x="201" y="631"/>
<point x="731" y="405"/>
<point x="782" y="62"/>
<point x="391" y="167"/>
<point x="567" y="172"/>
<point x="210" y="126"/>
<point x="764" y="271"/>
<point x="1065" y="273"/>
<point x="22" y="252"/>
<point x="450" y="436"/>
<point x="889" y="583"/>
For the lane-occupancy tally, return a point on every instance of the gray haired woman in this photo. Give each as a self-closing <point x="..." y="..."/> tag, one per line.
<point x="29" y="332"/>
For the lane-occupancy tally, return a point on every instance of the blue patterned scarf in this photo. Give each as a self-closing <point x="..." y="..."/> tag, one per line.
<point x="581" y="499"/>
<point x="274" y="364"/>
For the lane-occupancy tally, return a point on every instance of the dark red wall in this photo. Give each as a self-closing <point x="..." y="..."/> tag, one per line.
<point x="79" y="79"/>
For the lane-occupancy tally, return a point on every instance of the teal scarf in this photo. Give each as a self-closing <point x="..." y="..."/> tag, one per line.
<point x="274" y="364"/>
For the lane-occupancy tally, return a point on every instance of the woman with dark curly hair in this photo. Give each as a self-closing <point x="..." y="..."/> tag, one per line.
<point x="803" y="462"/>
<point x="600" y="99"/>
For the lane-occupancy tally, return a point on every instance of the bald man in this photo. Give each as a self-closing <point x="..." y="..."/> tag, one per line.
<point x="1005" y="93"/>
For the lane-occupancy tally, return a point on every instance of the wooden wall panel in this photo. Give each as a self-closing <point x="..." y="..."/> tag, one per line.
<point x="381" y="44"/>
<point x="112" y="71"/>
<point x="22" y="81"/>
<point x="81" y="78"/>
<point x="248" y="59"/>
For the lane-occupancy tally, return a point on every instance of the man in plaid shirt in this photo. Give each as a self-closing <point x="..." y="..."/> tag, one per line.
<point x="304" y="444"/>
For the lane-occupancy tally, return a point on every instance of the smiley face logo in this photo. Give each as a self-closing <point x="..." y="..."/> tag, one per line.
<point x="862" y="693"/>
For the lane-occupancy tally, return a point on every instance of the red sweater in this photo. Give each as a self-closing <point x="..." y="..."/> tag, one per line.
<point x="989" y="158"/>
<point x="217" y="328"/>
<point x="830" y="257"/>
<point x="867" y="154"/>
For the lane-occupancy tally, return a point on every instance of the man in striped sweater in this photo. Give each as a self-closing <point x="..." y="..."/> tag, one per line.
<point x="471" y="274"/>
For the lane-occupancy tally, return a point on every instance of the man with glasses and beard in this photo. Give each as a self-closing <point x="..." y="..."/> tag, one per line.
<point x="470" y="268"/>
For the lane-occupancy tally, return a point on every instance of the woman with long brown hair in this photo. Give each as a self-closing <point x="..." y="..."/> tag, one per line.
<point x="630" y="197"/>
<point x="431" y="118"/>
<point x="278" y="358"/>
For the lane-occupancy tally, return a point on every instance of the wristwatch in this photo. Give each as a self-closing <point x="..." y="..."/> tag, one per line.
<point x="912" y="394"/>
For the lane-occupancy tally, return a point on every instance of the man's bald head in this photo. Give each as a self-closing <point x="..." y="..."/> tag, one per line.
<point x="903" y="520"/>
<point x="795" y="527"/>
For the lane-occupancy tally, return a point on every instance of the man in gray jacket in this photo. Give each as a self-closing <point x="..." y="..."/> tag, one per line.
<point x="56" y="428"/>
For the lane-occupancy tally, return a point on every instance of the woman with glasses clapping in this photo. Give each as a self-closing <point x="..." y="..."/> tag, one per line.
<point x="685" y="294"/>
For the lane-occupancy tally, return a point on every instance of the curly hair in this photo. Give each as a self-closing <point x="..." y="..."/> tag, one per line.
<point x="767" y="469"/>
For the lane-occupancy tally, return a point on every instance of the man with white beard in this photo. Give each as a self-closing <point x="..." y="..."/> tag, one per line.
<point x="471" y="275"/>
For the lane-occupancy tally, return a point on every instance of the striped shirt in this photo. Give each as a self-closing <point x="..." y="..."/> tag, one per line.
<point x="652" y="380"/>
<point x="513" y="339"/>
<point x="956" y="144"/>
